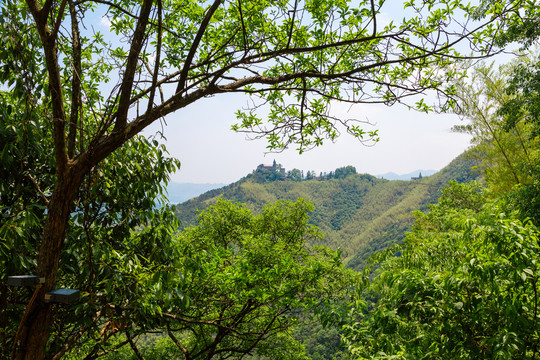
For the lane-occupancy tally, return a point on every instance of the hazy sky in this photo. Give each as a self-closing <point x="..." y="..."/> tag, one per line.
<point x="200" y="137"/>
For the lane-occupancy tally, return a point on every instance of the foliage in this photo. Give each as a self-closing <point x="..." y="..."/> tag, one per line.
<point x="501" y="107"/>
<point x="246" y="281"/>
<point x="523" y="27"/>
<point x="522" y="111"/>
<point x="118" y="232"/>
<point x="85" y="95"/>
<point x="343" y="172"/>
<point x="294" y="175"/>
<point x="464" y="286"/>
<point x="119" y="237"/>
<point x="264" y="175"/>
<point x="359" y="214"/>
<point x="322" y="343"/>
<point x="524" y="89"/>
<point x="508" y="154"/>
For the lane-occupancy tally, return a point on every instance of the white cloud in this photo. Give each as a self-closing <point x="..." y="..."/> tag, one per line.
<point x="105" y="21"/>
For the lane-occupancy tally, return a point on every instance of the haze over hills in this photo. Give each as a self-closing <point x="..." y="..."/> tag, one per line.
<point x="408" y="176"/>
<point x="180" y="192"/>
<point x="358" y="213"/>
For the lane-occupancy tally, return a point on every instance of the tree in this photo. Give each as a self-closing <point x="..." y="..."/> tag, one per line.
<point x="238" y="285"/>
<point x="521" y="109"/>
<point x="119" y="236"/>
<point x="253" y="274"/>
<point x="508" y="154"/>
<point x="343" y="172"/>
<point x="295" y="175"/>
<point x="161" y="56"/>
<point x="463" y="286"/>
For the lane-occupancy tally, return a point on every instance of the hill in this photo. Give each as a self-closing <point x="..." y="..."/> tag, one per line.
<point x="359" y="213"/>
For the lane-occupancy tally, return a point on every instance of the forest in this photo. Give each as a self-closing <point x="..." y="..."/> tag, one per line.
<point x="358" y="213"/>
<point x="114" y="273"/>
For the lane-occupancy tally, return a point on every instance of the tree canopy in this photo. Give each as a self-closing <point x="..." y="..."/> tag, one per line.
<point x="233" y="285"/>
<point x="464" y="282"/>
<point x="463" y="286"/>
<point x="85" y="95"/>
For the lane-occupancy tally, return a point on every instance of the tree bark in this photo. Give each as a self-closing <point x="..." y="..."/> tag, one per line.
<point x="35" y="334"/>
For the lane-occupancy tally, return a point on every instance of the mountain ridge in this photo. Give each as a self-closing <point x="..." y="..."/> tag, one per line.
<point x="358" y="214"/>
<point x="179" y="192"/>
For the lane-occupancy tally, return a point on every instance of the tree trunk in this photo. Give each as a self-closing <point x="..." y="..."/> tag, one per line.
<point x="35" y="334"/>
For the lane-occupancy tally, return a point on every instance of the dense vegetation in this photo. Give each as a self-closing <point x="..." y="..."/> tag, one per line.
<point x="236" y="284"/>
<point x="464" y="284"/>
<point x="79" y="187"/>
<point x="358" y="213"/>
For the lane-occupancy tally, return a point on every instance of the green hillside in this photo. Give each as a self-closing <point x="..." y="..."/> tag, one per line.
<point x="359" y="213"/>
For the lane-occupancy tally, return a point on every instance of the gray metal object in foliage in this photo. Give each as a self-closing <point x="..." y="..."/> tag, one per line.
<point x="62" y="296"/>
<point x="24" y="280"/>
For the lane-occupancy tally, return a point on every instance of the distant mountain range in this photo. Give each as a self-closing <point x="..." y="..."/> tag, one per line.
<point x="359" y="214"/>
<point x="409" y="176"/>
<point x="180" y="192"/>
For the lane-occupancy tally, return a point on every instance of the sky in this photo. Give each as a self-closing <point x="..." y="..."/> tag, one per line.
<point x="200" y="137"/>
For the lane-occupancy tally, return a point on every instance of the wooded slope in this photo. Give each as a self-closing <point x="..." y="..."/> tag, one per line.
<point x="358" y="214"/>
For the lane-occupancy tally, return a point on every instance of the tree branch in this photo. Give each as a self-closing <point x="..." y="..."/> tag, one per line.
<point x="133" y="58"/>
<point x="76" y="81"/>
<point x="59" y="19"/>
<point x="157" y="60"/>
<point x="243" y="26"/>
<point x="134" y="347"/>
<point x="195" y="45"/>
<point x="55" y="84"/>
<point x="374" y="18"/>
<point x="177" y="343"/>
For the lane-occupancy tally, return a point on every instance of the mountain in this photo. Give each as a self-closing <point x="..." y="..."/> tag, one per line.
<point x="359" y="214"/>
<point x="180" y="192"/>
<point x="408" y="176"/>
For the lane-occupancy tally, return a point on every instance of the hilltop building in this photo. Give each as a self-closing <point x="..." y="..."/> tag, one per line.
<point x="274" y="167"/>
<point x="265" y="167"/>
